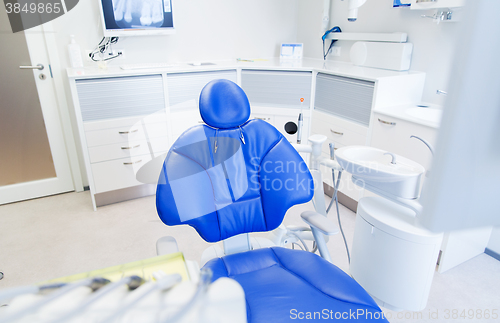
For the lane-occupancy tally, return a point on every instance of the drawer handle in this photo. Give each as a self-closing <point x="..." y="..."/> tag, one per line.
<point x="131" y="163"/>
<point x="132" y="147"/>
<point x="201" y="121"/>
<point x="262" y="118"/>
<point x="126" y="132"/>
<point x="337" y="133"/>
<point x="387" y="122"/>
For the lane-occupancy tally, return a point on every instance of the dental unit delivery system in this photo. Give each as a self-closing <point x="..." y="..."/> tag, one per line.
<point x="285" y="235"/>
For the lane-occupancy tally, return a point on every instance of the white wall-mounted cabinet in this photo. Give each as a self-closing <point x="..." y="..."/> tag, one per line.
<point x="436" y="4"/>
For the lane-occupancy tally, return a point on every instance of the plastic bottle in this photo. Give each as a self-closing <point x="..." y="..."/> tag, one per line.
<point x="74" y="52"/>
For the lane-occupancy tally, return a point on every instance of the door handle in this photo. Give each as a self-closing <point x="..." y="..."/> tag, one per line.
<point x="37" y="67"/>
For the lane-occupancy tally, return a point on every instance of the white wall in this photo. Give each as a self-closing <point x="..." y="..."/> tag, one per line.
<point x="207" y="30"/>
<point x="434" y="44"/>
<point x="494" y="244"/>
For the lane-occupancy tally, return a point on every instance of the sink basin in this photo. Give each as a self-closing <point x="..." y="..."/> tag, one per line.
<point x="371" y="169"/>
<point x="426" y="114"/>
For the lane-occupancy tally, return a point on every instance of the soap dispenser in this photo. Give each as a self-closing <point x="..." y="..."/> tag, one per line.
<point x="74" y="52"/>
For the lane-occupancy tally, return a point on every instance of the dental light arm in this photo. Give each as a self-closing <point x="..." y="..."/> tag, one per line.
<point x="353" y="9"/>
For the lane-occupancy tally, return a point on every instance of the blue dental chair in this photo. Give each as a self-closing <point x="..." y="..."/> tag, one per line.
<point x="233" y="176"/>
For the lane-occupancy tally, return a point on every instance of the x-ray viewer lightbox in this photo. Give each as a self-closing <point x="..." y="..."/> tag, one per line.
<point x="136" y="17"/>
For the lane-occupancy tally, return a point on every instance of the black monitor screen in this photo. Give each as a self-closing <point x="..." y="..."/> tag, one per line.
<point x="137" y="14"/>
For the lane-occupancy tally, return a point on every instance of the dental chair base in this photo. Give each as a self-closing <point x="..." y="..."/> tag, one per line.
<point x="393" y="259"/>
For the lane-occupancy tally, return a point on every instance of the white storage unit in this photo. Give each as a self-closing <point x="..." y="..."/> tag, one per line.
<point x="393" y="259"/>
<point x="126" y="121"/>
<point x="113" y="108"/>
<point x="123" y="125"/>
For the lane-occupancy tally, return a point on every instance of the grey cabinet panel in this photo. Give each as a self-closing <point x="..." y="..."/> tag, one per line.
<point x="344" y="97"/>
<point x="184" y="87"/>
<point x="277" y="88"/>
<point x="117" y="97"/>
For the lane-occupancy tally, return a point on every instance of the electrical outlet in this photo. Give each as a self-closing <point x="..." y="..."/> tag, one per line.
<point x="336" y="51"/>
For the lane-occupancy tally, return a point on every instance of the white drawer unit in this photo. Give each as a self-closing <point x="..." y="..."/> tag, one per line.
<point x="123" y="124"/>
<point x="337" y="130"/>
<point x="128" y="149"/>
<point x="117" y="174"/>
<point x="348" y="98"/>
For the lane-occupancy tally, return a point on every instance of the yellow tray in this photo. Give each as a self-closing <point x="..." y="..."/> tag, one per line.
<point x="173" y="263"/>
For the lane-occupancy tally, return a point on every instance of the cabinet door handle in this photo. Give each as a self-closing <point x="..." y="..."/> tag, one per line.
<point x="201" y="122"/>
<point x="337" y="133"/>
<point x="387" y="122"/>
<point x="418" y="1"/>
<point x="131" y="163"/>
<point x="132" y="147"/>
<point x="262" y="118"/>
<point x="126" y="132"/>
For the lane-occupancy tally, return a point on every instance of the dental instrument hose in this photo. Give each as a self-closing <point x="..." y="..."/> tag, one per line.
<point x="335" y="199"/>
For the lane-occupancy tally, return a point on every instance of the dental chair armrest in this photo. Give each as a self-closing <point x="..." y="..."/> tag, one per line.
<point x="331" y="164"/>
<point x="320" y="222"/>
<point x="301" y="148"/>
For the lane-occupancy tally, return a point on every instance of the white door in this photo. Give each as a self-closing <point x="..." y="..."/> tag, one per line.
<point x="33" y="157"/>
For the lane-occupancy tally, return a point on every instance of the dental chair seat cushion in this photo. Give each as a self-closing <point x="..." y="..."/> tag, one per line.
<point x="284" y="285"/>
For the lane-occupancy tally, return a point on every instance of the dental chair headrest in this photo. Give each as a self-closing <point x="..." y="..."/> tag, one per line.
<point x="223" y="104"/>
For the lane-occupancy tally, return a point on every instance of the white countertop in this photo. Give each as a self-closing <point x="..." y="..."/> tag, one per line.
<point x="306" y="64"/>
<point x="401" y="112"/>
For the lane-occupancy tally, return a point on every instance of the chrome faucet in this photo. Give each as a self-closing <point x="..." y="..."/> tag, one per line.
<point x="393" y="161"/>
<point x="426" y="143"/>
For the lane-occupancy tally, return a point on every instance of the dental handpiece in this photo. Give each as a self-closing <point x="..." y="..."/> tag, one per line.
<point x="299" y="130"/>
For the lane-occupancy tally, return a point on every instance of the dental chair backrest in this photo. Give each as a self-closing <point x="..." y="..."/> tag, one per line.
<point x="230" y="176"/>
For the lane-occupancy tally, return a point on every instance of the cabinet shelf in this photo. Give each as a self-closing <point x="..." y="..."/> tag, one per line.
<point x="380" y="37"/>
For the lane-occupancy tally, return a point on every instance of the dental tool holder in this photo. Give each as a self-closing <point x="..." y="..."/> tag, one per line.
<point x="285" y="235"/>
<point x="165" y="299"/>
